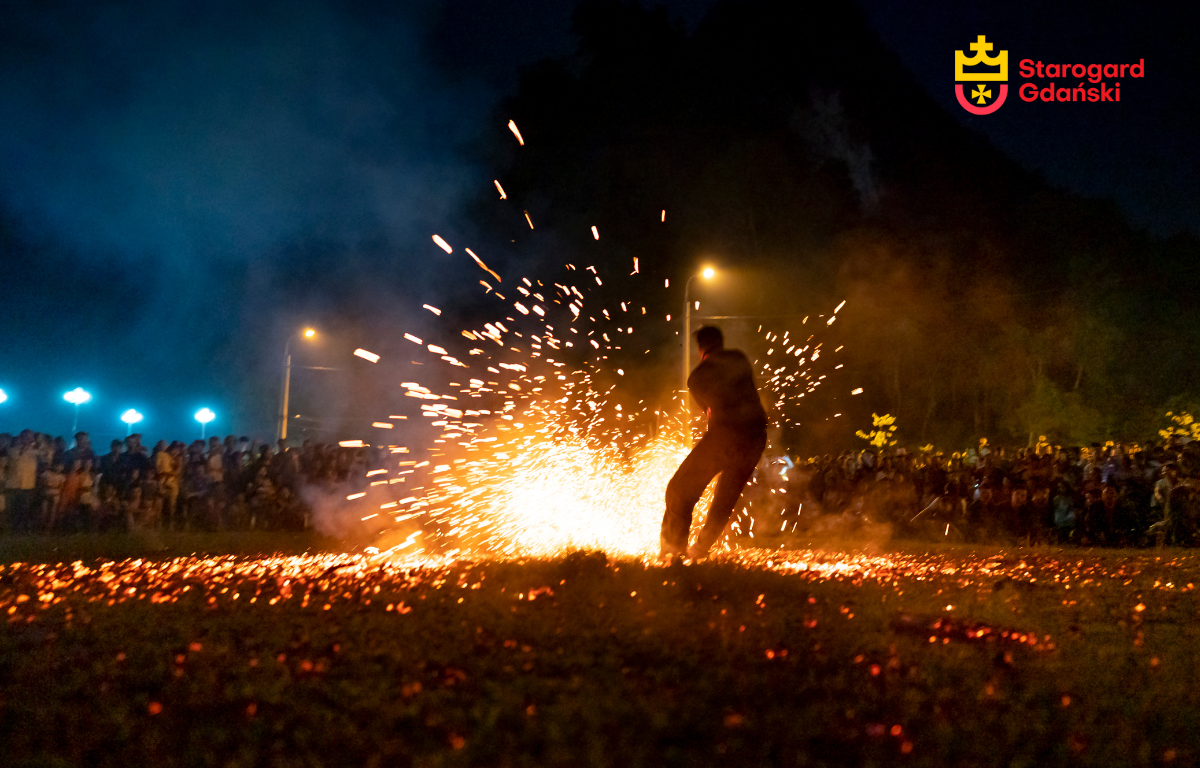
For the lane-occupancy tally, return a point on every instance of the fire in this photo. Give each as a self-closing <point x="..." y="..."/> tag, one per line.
<point x="538" y="454"/>
<point x="534" y="456"/>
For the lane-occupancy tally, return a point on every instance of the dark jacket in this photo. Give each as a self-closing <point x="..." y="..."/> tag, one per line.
<point x="723" y="384"/>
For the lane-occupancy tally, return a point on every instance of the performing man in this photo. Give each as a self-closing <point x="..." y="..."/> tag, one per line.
<point x="723" y="385"/>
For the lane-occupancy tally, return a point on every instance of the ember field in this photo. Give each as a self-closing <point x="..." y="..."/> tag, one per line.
<point x="947" y="656"/>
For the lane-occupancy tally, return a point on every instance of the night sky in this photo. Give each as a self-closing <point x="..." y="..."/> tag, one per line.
<point x="183" y="185"/>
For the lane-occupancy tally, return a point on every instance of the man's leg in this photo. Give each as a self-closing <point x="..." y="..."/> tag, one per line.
<point x="741" y="457"/>
<point x="685" y="489"/>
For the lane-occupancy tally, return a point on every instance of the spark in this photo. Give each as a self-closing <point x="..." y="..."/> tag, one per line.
<point x="485" y="267"/>
<point x="512" y="126"/>
<point x="365" y="355"/>
<point x="529" y="219"/>
<point x="432" y="309"/>
<point x="500" y="189"/>
<point x="595" y="233"/>
<point x="442" y="244"/>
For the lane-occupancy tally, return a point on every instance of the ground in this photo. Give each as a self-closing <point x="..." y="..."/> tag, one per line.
<point x="908" y="655"/>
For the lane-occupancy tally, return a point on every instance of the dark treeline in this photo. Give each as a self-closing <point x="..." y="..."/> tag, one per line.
<point x="789" y="146"/>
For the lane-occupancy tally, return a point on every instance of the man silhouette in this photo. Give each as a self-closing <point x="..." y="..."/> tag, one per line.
<point x="723" y="385"/>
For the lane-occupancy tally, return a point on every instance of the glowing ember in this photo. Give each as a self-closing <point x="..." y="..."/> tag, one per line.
<point x="512" y="126"/>
<point x="29" y="589"/>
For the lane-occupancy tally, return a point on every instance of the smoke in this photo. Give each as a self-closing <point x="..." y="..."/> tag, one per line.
<point x="221" y="134"/>
<point x="202" y="179"/>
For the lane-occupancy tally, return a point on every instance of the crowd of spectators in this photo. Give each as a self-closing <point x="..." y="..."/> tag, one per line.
<point x="214" y="485"/>
<point x="1111" y="495"/>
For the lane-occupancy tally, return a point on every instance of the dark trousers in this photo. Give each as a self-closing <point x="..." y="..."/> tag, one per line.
<point x="731" y="454"/>
<point x="20" y="510"/>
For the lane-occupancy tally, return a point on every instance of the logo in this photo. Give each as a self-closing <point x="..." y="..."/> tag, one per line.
<point x="987" y="81"/>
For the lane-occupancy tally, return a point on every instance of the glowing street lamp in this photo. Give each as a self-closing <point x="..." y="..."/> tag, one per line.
<point x="706" y="274"/>
<point x="308" y="334"/>
<point x="204" y="416"/>
<point x="77" y="397"/>
<point x="130" y="418"/>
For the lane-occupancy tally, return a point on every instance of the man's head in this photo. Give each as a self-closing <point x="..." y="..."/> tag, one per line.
<point x="709" y="339"/>
<point x="115" y="446"/>
<point x="82" y="440"/>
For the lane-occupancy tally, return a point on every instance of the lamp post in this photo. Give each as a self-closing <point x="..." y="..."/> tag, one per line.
<point x="706" y="273"/>
<point x="77" y="397"/>
<point x="308" y="333"/>
<point x="130" y="418"/>
<point x="204" y="416"/>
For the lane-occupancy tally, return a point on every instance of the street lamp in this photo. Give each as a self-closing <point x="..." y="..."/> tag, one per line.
<point x="309" y="334"/>
<point x="130" y="418"/>
<point x="707" y="273"/>
<point x="204" y="416"/>
<point x="77" y="397"/>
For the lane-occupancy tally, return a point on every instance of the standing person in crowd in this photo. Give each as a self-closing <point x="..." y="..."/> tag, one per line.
<point x="195" y="485"/>
<point x="21" y="482"/>
<point x="216" y="483"/>
<point x="72" y="491"/>
<point x="168" y="464"/>
<point x="81" y="451"/>
<point x="52" y="480"/>
<point x="133" y="464"/>
<point x="108" y="468"/>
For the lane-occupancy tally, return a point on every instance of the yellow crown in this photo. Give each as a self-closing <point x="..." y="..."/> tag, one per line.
<point x="981" y="47"/>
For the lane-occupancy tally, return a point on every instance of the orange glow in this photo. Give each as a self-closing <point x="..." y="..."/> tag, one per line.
<point x="442" y="244"/>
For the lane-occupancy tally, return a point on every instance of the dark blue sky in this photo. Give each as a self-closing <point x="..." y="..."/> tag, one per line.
<point x="1140" y="152"/>
<point x="183" y="184"/>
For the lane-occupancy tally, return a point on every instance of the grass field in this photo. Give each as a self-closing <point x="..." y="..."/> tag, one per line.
<point x="912" y="655"/>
